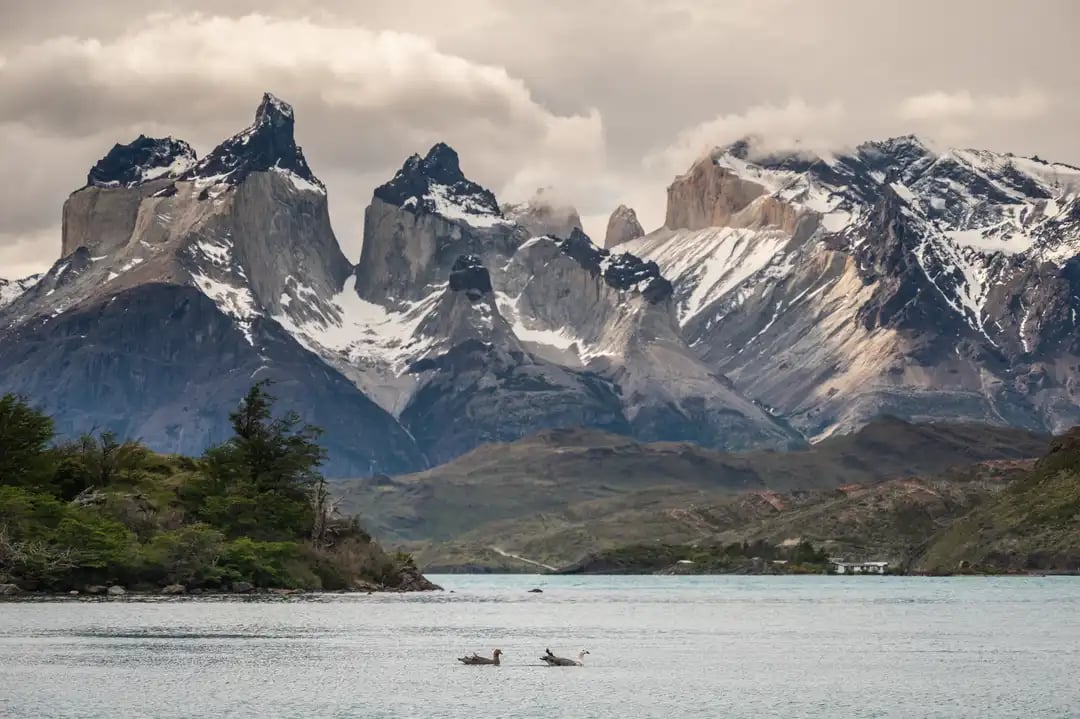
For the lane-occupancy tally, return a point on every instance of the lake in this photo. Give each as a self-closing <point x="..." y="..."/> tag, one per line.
<point x="659" y="647"/>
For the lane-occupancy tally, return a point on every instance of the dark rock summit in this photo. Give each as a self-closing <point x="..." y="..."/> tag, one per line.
<point x="469" y="275"/>
<point x="623" y="271"/>
<point x="435" y="184"/>
<point x="268" y="143"/>
<point x="143" y="159"/>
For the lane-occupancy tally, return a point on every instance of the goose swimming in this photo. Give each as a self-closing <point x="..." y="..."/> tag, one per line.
<point x="553" y="661"/>
<point x="477" y="660"/>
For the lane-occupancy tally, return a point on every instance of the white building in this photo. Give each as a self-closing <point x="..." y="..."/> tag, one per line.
<point x="842" y="567"/>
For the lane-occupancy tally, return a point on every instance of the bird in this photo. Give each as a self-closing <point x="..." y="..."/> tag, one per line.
<point x="477" y="660"/>
<point x="553" y="661"/>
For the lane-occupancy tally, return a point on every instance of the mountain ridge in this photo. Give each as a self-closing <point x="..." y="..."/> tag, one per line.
<point x="795" y="295"/>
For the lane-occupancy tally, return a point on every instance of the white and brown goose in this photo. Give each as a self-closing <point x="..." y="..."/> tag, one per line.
<point x="553" y="661"/>
<point x="475" y="660"/>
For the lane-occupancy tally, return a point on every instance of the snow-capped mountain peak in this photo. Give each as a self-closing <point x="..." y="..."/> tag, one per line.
<point x="141" y="160"/>
<point x="886" y="263"/>
<point x="10" y="290"/>
<point x="267" y="145"/>
<point x="435" y="184"/>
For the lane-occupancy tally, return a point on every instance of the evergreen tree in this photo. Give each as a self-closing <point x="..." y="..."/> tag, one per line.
<point x="25" y="434"/>
<point x="268" y="472"/>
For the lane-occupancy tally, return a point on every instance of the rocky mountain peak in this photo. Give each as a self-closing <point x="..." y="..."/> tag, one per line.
<point x="442" y="164"/>
<point x="274" y="111"/>
<point x="469" y="275"/>
<point x="10" y="290"/>
<point x="545" y="213"/>
<point x="141" y="160"/>
<point x="623" y="226"/>
<point x="435" y="184"/>
<point x="624" y="271"/>
<point x="267" y="144"/>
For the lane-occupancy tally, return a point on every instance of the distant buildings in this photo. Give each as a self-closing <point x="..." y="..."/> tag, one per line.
<point x="839" y="566"/>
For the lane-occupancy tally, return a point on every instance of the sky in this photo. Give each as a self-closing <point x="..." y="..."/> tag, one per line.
<point x="603" y="101"/>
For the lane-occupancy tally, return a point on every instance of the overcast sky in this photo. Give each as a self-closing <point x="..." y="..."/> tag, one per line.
<point x="605" y="101"/>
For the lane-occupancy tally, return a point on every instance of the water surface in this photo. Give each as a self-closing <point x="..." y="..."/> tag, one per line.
<point x="660" y="647"/>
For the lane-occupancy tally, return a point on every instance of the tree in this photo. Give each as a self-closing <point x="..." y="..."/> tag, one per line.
<point x="268" y="469"/>
<point x="105" y="457"/>
<point x="25" y="434"/>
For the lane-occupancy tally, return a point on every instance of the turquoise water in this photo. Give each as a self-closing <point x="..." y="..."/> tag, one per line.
<point x="659" y="647"/>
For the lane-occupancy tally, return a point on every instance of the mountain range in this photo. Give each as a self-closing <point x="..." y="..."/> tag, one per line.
<point x="789" y="297"/>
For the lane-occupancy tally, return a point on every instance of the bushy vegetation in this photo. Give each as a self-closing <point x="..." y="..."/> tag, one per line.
<point x="757" y="557"/>
<point x="101" y="511"/>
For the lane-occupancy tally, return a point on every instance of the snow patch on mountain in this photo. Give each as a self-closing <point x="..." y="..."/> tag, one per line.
<point x="301" y="184"/>
<point x="470" y="209"/>
<point x="236" y="301"/>
<point x="10" y="290"/>
<point x="528" y="329"/>
<point x="365" y="332"/>
<point x="706" y="265"/>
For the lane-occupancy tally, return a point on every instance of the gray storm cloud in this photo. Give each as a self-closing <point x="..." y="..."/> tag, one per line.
<point x="604" y="106"/>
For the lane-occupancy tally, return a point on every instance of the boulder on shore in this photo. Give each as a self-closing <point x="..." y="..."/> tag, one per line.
<point x="9" y="590"/>
<point x="413" y="581"/>
<point x="174" y="589"/>
<point x="242" y="587"/>
<point x="116" y="591"/>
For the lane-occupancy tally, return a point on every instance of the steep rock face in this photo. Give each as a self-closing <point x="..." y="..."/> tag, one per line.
<point x="162" y="363"/>
<point x="101" y="216"/>
<point x="571" y="300"/>
<point x="481" y="385"/>
<point x="421" y="221"/>
<point x="452" y="293"/>
<point x="890" y="280"/>
<point x="248" y="229"/>
<point x="544" y="214"/>
<point x="622" y="227"/>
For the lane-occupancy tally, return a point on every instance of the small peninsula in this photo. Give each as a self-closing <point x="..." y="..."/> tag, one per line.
<point x="100" y="515"/>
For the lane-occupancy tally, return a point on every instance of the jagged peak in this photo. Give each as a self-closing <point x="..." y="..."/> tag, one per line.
<point x="268" y="144"/>
<point x="141" y="160"/>
<point x="435" y="184"/>
<point x="469" y="275"/>
<point x="623" y="226"/>
<point x="623" y="271"/>
<point x="443" y="164"/>
<point x="273" y="109"/>
<point x="10" y="290"/>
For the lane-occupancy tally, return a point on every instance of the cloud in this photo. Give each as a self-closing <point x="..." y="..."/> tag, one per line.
<point x="1023" y="105"/>
<point x="605" y="106"/>
<point x="794" y="124"/>
<point x="365" y="100"/>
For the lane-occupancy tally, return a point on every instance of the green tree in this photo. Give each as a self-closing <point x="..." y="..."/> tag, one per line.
<point x="25" y="434"/>
<point x="267" y="475"/>
<point x="106" y="458"/>
<point x="188" y="555"/>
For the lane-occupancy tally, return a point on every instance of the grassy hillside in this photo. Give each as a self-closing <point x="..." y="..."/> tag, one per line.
<point x="1033" y="525"/>
<point x="890" y="520"/>
<point x="537" y="480"/>
<point x="251" y="513"/>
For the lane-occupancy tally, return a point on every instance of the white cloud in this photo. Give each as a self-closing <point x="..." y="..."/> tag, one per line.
<point x="939" y="105"/>
<point x="512" y="85"/>
<point x="794" y="124"/>
<point x="365" y="100"/>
